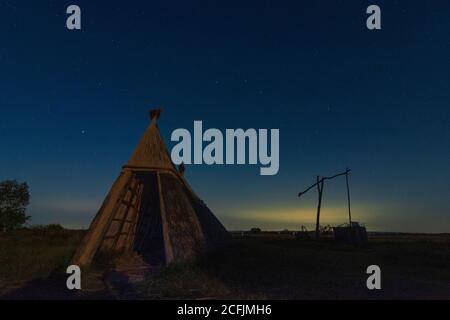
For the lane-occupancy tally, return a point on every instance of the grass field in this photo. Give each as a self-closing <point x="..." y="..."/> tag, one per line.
<point x="33" y="262"/>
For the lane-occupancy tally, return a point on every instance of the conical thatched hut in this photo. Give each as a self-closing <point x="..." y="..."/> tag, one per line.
<point x="152" y="211"/>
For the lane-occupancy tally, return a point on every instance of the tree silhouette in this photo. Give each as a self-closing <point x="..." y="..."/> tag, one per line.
<point x="14" y="198"/>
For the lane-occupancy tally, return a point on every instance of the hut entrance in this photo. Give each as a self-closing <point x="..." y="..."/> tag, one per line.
<point x="149" y="239"/>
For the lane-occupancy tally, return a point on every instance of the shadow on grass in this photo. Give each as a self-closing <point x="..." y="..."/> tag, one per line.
<point x="50" y="288"/>
<point x="99" y="282"/>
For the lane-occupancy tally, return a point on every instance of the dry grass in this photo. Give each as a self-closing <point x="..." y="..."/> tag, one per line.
<point x="260" y="267"/>
<point x="32" y="253"/>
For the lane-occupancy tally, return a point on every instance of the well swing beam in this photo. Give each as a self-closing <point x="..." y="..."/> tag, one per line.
<point x="320" y="184"/>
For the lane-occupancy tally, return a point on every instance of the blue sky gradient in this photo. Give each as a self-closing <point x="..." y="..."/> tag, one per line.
<point x="73" y="105"/>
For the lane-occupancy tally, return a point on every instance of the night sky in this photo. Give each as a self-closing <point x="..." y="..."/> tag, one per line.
<point x="73" y="104"/>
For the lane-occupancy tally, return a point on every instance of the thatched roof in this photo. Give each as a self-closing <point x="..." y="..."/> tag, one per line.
<point x="151" y="151"/>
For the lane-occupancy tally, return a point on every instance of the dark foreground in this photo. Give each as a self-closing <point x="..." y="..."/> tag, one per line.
<point x="33" y="263"/>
